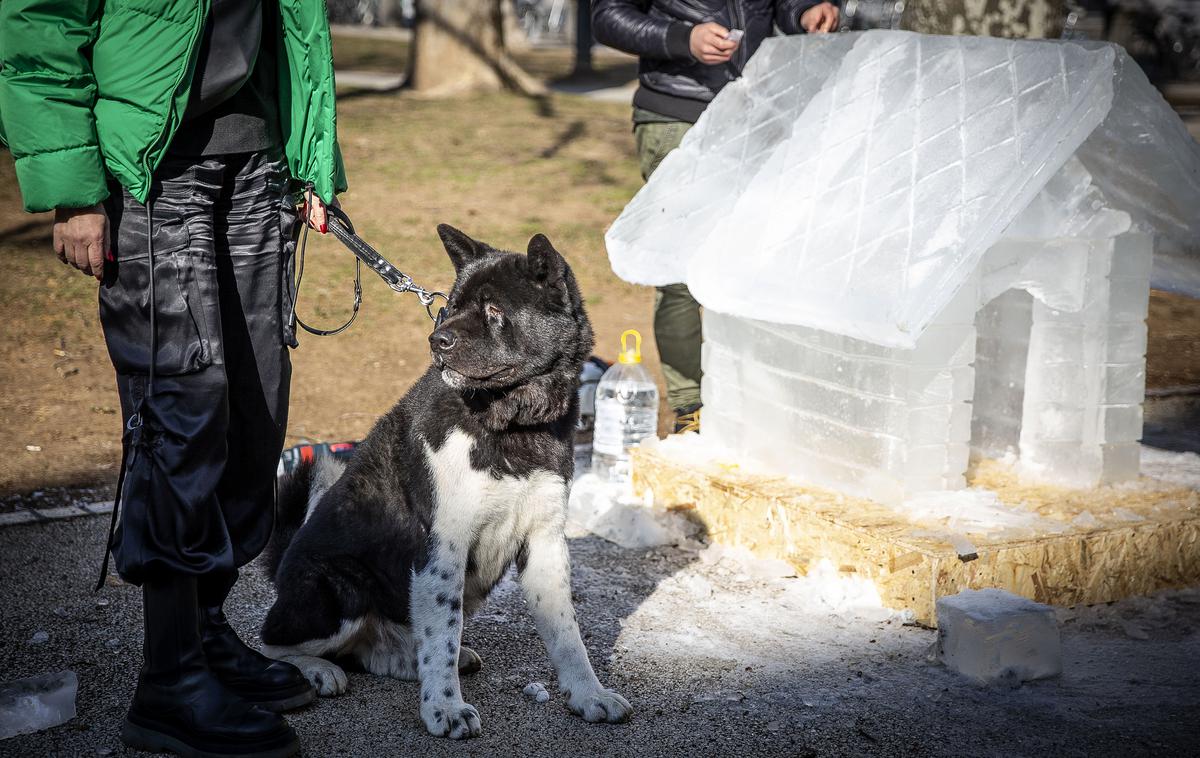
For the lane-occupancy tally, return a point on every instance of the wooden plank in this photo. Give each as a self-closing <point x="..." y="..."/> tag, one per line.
<point x="1105" y="544"/>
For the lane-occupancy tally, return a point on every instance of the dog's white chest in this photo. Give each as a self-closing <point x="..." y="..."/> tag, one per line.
<point x="468" y="500"/>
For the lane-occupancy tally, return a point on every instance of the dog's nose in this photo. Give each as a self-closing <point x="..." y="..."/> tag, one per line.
<point x="443" y="340"/>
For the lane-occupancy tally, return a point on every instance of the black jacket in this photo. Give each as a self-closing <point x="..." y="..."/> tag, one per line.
<point x="673" y="83"/>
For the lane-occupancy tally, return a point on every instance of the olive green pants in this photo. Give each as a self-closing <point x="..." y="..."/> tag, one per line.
<point x="676" y="312"/>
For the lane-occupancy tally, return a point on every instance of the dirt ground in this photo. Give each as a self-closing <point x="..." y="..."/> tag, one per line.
<point x="500" y="167"/>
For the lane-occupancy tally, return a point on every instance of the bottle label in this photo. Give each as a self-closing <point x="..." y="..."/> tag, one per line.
<point x="608" y="433"/>
<point x="618" y="425"/>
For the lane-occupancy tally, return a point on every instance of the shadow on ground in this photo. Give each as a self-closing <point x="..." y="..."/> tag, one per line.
<point x="715" y="663"/>
<point x="50" y="568"/>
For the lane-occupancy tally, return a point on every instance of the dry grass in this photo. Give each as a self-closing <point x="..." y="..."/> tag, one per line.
<point x="499" y="167"/>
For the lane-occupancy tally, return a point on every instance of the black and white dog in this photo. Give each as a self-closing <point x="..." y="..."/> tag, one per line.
<point x="379" y="561"/>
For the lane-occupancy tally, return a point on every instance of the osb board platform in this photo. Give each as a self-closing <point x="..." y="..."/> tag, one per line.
<point x="1099" y="545"/>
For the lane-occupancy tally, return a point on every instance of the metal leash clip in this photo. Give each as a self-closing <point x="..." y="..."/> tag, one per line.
<point x="340" y="226"/>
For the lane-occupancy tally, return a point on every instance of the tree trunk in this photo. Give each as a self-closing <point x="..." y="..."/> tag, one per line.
<point x="986" y="18"/>
<point x="458" y="47"/>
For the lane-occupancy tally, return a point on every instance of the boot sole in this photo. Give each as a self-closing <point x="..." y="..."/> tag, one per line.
<point x="287" y="703"/>
<point x="151" y="741"/>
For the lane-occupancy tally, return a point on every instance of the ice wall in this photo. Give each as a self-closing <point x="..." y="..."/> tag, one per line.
<point x="860" y="418"/>
<point x="1040" y="353"/>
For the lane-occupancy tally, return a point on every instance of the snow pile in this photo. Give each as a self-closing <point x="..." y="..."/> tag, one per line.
<point x="537" y="692"/>
<point x="37" y="703"/>
<point x="612" y="512"/>
<point x="730" y="614"/>
<point x="821" y="589"/>
<point x="825" y="589"/>
<point x="955" y="514"/>
<point x="1181" y="469"/>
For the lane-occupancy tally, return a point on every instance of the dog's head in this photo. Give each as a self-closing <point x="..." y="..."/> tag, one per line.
<point x="512" y="320"/>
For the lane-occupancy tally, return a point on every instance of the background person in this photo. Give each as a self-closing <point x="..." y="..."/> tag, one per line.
<point x="685" y="59"/>
<point x="170" y="138"/>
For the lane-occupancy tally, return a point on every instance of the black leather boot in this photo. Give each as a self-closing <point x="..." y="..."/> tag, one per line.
<point x="180" y="706"/>
<point x="268" y="683"/>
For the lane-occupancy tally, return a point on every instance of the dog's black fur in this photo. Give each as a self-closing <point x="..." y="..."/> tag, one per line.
<point x="521" y="335"/>
<point x="465" y="476"/>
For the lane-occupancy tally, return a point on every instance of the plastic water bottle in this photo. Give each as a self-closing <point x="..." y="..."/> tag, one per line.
<point x="589" y="377"/>
<point x="626" y="411"/>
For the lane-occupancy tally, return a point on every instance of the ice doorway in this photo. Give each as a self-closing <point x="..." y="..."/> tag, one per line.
<point x="1002" y="329"/>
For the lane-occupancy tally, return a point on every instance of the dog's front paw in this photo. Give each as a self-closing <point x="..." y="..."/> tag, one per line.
<point x="451" y="718"/>
<point x="600" y="705"/>
<point x="326" y="677"/>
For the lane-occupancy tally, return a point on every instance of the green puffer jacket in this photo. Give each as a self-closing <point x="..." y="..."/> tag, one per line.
<point x="96" y="87"/>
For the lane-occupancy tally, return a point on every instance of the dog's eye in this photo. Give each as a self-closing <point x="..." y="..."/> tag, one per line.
<point x="493" y="312"/>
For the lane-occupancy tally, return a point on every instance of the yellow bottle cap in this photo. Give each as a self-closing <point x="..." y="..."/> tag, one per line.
<point x="631" y="354"/>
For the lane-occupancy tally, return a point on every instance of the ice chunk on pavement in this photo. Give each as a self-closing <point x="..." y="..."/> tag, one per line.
<point x="993" y="636"/>
<point x="537" y="692"/>
<point x="37" y="703"/>
<point x="610" y="511"/>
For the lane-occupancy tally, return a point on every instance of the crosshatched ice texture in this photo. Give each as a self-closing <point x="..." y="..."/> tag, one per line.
<point x="852" y="183"/>
<point x="1041" y="351"/>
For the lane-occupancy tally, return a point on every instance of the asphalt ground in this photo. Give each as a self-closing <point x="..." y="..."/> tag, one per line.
<point x="715" y="661"/>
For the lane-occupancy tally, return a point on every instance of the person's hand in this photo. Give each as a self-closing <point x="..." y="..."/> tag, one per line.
<point x="81" y="238"/>
<point x="315" y="215"/>
<point x="709" y="45"/>
<point x="819" y="18"/>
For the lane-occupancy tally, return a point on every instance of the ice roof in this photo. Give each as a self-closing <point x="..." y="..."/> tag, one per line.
<point x="851" y="182"/>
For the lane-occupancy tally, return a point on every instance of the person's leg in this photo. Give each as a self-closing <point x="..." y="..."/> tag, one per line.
<point x="250" y="243"/>
<point x="170" y="520"/>
<point x="253" y="232"/>
<point x="678" y="334"/>
<point x="171" y="524"/>
<point x="676" y="313"/>
<point x="179" y="705"/>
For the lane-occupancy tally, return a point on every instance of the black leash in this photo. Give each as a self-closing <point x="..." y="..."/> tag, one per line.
<point x="340" y="226"/>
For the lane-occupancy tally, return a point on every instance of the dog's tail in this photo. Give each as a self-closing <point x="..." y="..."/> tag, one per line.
<point x="299" y="494"/>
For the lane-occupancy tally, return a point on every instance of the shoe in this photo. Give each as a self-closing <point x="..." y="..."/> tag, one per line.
<point x="180" y="706"/>
<point x="265" y="682"/>
<point x="687" y="419"/>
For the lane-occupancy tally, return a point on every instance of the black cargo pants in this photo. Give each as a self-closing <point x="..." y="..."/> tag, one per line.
<point x="203" y="442"/>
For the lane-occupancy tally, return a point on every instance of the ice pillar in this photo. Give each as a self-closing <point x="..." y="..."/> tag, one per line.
<point x="1086" y="374"/>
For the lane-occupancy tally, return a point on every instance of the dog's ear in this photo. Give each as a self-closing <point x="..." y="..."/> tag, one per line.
<point x="545" y="263"/>
<point x="461" y="248"/>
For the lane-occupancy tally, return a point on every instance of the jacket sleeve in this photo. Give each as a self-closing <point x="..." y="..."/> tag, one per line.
<point x="788" y="12"/>
<point x="627" y="26"/>
<point x="47" y="91"/>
